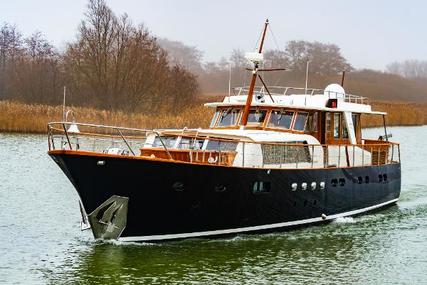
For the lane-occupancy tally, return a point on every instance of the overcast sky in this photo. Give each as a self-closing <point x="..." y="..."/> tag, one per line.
<point x="370" y="33"/>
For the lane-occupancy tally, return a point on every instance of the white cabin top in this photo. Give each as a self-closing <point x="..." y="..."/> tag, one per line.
<point x="333" y="99"/>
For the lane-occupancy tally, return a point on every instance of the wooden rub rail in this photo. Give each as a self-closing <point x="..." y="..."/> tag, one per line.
<point x="189" y="147"/>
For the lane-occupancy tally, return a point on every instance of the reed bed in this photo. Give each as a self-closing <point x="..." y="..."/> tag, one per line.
<point x="25" y="118"/>
<point x="398" y="114"/>
<point x="33" y="118"/>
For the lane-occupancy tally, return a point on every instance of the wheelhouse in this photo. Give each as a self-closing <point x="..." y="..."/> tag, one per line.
<point x="330" y="127"/>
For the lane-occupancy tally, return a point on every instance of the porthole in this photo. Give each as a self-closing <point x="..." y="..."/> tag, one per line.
<point x="220" y="188"/>
<point x="178" y="186"/>
<point x="304" y="186"/>
<point x="314" y="202"/>
<point x="322" y="185"/>
<point x="385" y="177"/>
<point x="380" y="178"/>
<point x="342" y="182"/>
<point x="305" y="203"/>
<point x="360" y="180"/>
<point x="334" y="182"/>
<point x="295" y="204"/>
<point x="294" y="186"/>
<point x="313" y="185"/>
<point x="260" y="187"/>
<point x="366" y="179"/>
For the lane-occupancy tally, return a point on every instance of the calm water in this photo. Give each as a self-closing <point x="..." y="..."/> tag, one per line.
<point x="41" y="241"/>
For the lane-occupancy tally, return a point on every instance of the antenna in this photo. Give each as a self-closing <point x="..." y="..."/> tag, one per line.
<point x="63" y="104"/>
<point x="342" y="78"/>
<point x="306" y="76"/>
<point x="229" y="79"/>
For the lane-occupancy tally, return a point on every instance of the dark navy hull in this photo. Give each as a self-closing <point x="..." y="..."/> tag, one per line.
<point x="177" y="200"/>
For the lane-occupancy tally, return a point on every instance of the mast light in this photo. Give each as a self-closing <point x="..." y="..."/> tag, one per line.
<point x="254" y="57"/>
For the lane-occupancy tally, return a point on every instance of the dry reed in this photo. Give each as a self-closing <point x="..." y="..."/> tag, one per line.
<point x="24" y="118"/>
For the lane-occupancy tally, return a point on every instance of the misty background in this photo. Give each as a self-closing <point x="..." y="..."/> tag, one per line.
<point x="140" y="55"/>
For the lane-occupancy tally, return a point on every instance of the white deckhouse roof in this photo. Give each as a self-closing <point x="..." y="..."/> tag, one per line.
<point x="310" y="99"/>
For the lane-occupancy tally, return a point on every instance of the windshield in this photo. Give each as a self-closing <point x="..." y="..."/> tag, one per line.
<point x="228" y="117"/>
<point x="190" y="143"/>
<point x="256" y="116"/>
<point x="300" y="121"/>
<point x="281" y="119"/>
<point x="168" y="141"/>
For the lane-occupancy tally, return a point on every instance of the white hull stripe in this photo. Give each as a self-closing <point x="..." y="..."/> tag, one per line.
<point x="253" y="228"/>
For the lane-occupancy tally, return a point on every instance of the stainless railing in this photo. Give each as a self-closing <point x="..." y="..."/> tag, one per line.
<point x="98" y="138"/>
<point x="284" y="91"/>
<point x="189" y="146"/>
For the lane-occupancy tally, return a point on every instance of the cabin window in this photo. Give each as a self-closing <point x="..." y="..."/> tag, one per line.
<point x="221" y="145"/>
<point x="281" y="119"/>
<point x="168" y="141"/>
<point x="260" y="187"/>
<point x="356" y="123"/>
<point x="228" y="117"/>
<point x="312" y="122"/>
<point x="214" y="119"/>
<point x="344" y="130"/>
<point x="190" y="143"/>
<point x="184" y="143"/>
<point x="328" y="125"/>
<point x="256" y="116"/>
<point x="337" y="125"/>
<point x="300" y="121"/>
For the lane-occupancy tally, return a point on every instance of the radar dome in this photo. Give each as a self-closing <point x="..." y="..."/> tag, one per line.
<point x="334" y="91"/>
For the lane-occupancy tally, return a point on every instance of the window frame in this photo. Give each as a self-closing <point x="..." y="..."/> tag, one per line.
<point x="258" y="124"/>
<point x="282" y="111"/>
<point x="305" y="124"/>
<point x="238" y="118"/>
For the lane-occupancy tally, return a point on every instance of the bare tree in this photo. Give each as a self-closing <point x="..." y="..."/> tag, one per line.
<point x="180" y="54"/>
<point x="414" y="69"/>
<point x="10" y="50"/>
<point x="115" y="64"/>
<point x="324" y="59"/>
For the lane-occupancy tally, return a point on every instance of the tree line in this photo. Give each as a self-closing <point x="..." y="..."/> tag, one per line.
<point x="402" y="81"/>
<point x="325" y="60"/>
<point x="116" y="65"/>
<point x="113" y="64"/>
<point x="414" y="69"/>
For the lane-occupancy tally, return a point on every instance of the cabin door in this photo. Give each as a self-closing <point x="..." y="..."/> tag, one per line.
<point x="337" y="139"/>
<point x="336" y="129"/>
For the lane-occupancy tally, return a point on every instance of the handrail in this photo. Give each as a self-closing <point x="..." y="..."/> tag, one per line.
<point x="126" y="142"/>
<point x="268" y="154"/>
<point x="283" y="91"/>
<point x="118" y="129"/>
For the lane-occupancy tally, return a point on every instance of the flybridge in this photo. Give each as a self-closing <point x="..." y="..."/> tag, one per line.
<point x="333" y="98"/>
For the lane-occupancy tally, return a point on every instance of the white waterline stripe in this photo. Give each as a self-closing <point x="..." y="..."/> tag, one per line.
<point x="253" y="228"/>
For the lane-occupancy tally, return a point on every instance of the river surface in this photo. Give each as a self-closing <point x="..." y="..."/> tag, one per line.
<point x="41" y="241"/>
